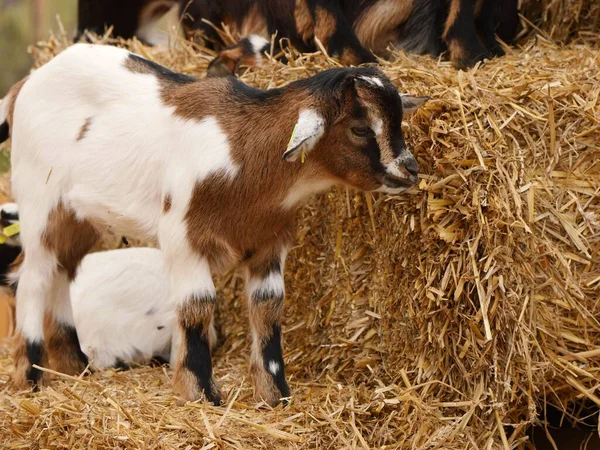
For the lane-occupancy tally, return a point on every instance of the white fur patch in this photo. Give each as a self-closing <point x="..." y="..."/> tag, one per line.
<point x="35" y="284"/>
<point x="258" y="44"/>
<point x="374" y="81"/>
<point x="392" y="169"/>
<point x="273" y="283"/>
<point x="377" y="126"/>
<point x="10" y="208"/>
<point x="304" y="189"/>
<point x="274" y="367"/>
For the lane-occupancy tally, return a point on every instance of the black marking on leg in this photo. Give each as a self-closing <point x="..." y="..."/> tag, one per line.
<point x="73" y="339"/>
<point x="198" y="361"/>
<point x="273" y="358"/>
<point x="121" y="365"/>
<point x="263" y="295"/>
<point x="35" y="353"/>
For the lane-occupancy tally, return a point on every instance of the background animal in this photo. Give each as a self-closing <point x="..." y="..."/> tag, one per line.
<point x="10" y="245"/>
<point x="104" y="140"/>
<point x="351" y="31"/>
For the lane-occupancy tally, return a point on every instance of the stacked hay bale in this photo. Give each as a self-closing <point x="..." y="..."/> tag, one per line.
<point x="443" y="318"/>
<point x="563" y="19"/>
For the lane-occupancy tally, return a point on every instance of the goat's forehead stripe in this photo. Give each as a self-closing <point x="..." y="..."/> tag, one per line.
<point x="374" y="81"/>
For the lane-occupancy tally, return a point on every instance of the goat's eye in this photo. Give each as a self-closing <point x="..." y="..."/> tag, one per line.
<point x="362" y="131"/>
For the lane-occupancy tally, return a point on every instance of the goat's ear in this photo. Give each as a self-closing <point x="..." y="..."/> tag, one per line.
<point x="411" y="103"/>
<point x="305" y="135"/>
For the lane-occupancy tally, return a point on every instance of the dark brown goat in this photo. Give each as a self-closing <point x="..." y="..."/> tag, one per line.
<point x="352" y="31"/>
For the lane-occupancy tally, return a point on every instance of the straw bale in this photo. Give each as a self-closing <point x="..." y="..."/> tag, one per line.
<point x="563" y="19"/>
<point x="440" y="319"/>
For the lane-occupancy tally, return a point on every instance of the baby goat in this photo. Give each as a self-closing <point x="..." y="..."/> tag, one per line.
<point x="104" y="140"/>
<point x="122" y="309"/>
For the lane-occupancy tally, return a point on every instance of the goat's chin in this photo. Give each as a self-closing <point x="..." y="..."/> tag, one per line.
<point x="391" y="190"/>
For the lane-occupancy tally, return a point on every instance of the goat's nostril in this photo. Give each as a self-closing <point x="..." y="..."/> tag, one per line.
<point x="412" y="166"/>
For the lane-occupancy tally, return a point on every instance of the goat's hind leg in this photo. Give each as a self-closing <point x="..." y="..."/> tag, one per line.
<point x="35" y="284"/>
<point x="52" y="256"/>
<point x="70" y="238"/>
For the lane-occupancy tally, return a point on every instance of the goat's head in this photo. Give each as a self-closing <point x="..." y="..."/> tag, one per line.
<point x="353" y="130"/>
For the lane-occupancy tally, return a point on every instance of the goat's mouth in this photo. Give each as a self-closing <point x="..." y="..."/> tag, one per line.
<point x="393" y="182"/>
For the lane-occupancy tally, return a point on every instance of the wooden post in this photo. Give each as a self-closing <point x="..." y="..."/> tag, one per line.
<point x="37" y="12"/>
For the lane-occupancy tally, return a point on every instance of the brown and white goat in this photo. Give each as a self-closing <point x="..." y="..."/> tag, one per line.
<point x="213" y="169"/>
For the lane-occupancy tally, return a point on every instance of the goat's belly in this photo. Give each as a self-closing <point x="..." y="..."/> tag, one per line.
<point x="118" y="200"/>
<point x="120" y="212"/>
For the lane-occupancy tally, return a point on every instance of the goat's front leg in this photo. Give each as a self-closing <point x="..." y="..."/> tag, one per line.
<point x="265" y="289"/>
<point x="195" y="296"/>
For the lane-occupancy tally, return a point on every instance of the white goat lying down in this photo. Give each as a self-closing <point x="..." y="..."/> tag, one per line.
<point x="213" y="169"/>
<point x="122" y="308"/>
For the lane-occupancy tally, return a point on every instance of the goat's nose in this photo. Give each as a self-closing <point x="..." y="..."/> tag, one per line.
<point x="412" y="166"/>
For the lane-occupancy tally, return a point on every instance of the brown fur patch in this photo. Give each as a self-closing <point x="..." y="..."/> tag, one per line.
<point x="264" y="386"/>
<point x="350" y="58"/>
<point x="185" y="383"/>
<point x="457" y="52"/>
<point x="227" y="62"/>
<point x="167" y="202"/>
<point x="304" y="21"/>
<point x="12" y="95"/>
<point x="196" y="311"/>
<point x="377" y="25"/>
<point x="452" y="15"/>
<point x="62" y="350"/>
<point x="254" y="23"/>
<point x="84" y="129"/>
<point x="22" y="364"/>
<point x="263" y="314"/>
<point x="69" y="238"/>
<point x="325" y="24"/>
<point x="478" y="7"/>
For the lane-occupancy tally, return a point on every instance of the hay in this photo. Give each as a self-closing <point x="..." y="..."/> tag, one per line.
<point x="442" y="319"/>
<point x="563" y="20"/>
